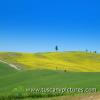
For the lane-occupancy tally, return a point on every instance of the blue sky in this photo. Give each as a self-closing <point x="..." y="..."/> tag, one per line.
<point x="39" y="25"/>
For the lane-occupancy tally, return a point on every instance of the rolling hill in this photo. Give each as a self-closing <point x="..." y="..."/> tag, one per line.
<point x="47" y="70"/>
<point x="13" y="83"/>
<point x="69" y="61"/>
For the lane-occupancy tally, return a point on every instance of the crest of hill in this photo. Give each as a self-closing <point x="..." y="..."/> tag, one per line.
<point x="68" y="61"/>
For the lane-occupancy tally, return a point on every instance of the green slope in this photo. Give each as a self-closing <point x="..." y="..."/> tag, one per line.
<point x="6" y="70"/>
<point x="46" y="79"/>
<point x="11" y="79"/>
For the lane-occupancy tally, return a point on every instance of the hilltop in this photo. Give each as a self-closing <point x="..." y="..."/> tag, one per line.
<point x="68" y="61"/>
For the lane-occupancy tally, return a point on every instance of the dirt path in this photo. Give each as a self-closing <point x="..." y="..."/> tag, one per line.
<point x="89" y="97"/>
<point x="85" y="97"/>
<point x="11" y="65"/>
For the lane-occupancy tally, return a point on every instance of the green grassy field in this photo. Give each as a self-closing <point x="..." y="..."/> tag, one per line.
<point x="14" y="82"/>
<point x="11" y="79"/>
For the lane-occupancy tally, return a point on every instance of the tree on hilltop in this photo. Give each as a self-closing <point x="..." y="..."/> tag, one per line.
<point x="56" y="48"/>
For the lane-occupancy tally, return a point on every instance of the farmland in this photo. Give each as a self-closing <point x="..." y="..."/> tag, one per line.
<point x="82" y="71"/>
<point x="70" y="61"/>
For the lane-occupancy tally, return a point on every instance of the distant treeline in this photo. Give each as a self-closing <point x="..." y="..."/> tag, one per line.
<point x="57" y="48"/>
<point x="90" y="51"/>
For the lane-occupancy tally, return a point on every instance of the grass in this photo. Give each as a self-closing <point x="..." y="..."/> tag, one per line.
<point x="45" y="79"/>
<point x="45" y="74"/>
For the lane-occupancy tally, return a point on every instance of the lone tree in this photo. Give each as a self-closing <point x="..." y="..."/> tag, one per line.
<point x="56" y="48"/>
<point x="95" y="51"/>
